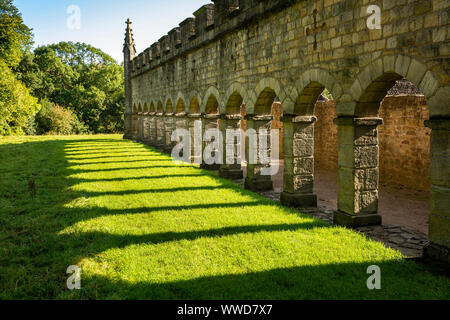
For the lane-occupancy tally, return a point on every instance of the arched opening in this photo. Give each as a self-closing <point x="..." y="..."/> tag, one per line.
<point x="169" y="106"/>
<point x="152" y="125"/>
<point x="160" y="108"/>
<point x="404" y="153"/>
<point x="195" y="131"/>
<point x="211" y="131"/>
<point x="145" y="123"/>
<point x="260" y="146"/>
<point x="180" y="107"/>
<point x="194" y="106"/>
<point x="180" y="119"/>
<point x="160" y="131"/>
<point x="212" y="105"/>
<point x="140" y="128"/>
<point x="325" y="152"/>
<point x="234" y="104"/>
<point x="307" y="182"/>
<point x="169" y="125"/>
<point x="232" y="123"/>
<point x="135" y="122"/>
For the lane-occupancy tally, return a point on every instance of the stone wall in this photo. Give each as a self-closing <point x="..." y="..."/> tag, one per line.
<point x="325" y="137"/>
<point x="404" y="141"/>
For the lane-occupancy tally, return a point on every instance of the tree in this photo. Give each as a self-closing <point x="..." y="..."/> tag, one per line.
<point x="15" y="37"/>
<point x="16" y="103"/>
<point x="81" y="78"/>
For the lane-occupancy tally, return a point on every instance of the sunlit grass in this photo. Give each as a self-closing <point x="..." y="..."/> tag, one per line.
<point x="143" y="227"/>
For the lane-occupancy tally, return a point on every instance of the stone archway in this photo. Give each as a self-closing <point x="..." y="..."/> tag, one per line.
<point x="359" y="148"/>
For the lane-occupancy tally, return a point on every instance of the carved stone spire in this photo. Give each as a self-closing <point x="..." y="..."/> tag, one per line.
<point x="129" y="53"/>
<point x="129" y="40"/>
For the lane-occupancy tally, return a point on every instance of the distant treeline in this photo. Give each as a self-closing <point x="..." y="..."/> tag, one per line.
<point x="65" y="88"/>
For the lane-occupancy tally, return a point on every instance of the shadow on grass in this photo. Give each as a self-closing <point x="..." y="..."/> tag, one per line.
<point x="74" y="163"/>
<point x="343" y="281"/>
<point x="118" y="179"/>
<point x="74" y="171"/>
<point x="35" y="254"/>
<point x="106" y="241"/>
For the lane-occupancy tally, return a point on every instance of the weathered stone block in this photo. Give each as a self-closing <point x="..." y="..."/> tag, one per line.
<point x="303" y="165"/>
<point x="440" y="230"/>
<point x="366" y="157"/>
<point x="356" y="221"/>
<point x="303" y="147"/>
<point x="440" y="201"/>
<point x="297" y="200"/>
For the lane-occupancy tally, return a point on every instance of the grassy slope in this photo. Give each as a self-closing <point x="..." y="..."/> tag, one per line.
<point x="143" y="227"/>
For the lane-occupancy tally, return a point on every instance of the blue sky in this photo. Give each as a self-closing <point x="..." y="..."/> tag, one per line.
<point x="103" y="21"/>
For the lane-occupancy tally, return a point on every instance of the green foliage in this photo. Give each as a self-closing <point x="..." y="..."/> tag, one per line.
<point x="53" y="119"/>
<point x="81" y="78"/>
<point x="15" y="36"/>
<point x="327" y="94"/>
<point x="86" y="82"/>
<point x="16" y="103"/>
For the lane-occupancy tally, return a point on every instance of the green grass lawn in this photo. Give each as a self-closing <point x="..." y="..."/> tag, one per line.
<point x="143" y="227"/>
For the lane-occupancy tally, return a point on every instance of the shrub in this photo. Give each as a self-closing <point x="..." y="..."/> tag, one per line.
<point x="53" y="119"/>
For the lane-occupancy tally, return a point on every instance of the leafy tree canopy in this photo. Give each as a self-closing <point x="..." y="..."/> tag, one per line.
<point x="17" y="106"/>
<point x="79" y="77"/>
<point x="15" y="37"/>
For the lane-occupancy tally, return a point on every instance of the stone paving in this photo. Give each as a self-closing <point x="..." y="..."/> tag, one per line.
<point x="406" y="240"/>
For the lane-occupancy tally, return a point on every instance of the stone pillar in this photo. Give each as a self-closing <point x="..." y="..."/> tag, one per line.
<point x="160" y="135"/>
<point x="147" y="133"/>
<point x="145" y="127"/>
<point x="152" y="129"/>
<point x="358" y="156"/>
<point x="140" y="129"/>
<point x="298" y="146"/>
<point x="439" y="229"/>
<point x="210" y="122"/>
<point x="169" y="126"/>
<point x="128" y="126"/>
<point x="231" y="169"/>
<point x="255" y="180"/>
<point x="135" y="127"/>
<point x="181" y="122"/>
<point x="195" y="133"/>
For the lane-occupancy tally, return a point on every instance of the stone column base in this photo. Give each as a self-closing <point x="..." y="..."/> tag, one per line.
<point x="436" y="252"/>
<point x="232" y="174"/>
<point x="258" y="184"/>
<point x="168" y="149"/>
<point x="212" y="167"/>
<point x="298" y="200"/>
<point x="128" y="137"/>
<point x="355" y="221"/>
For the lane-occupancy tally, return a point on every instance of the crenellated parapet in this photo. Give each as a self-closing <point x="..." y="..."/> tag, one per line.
<point x="209" y="23"/>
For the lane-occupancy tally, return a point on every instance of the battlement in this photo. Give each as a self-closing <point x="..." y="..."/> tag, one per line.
<point x="210" y="22"/>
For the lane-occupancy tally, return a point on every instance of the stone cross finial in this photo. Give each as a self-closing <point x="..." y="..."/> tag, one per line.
<point x="129" y="41"/>
<point x="315" y="29"/>
<point x="129" y="33"/>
